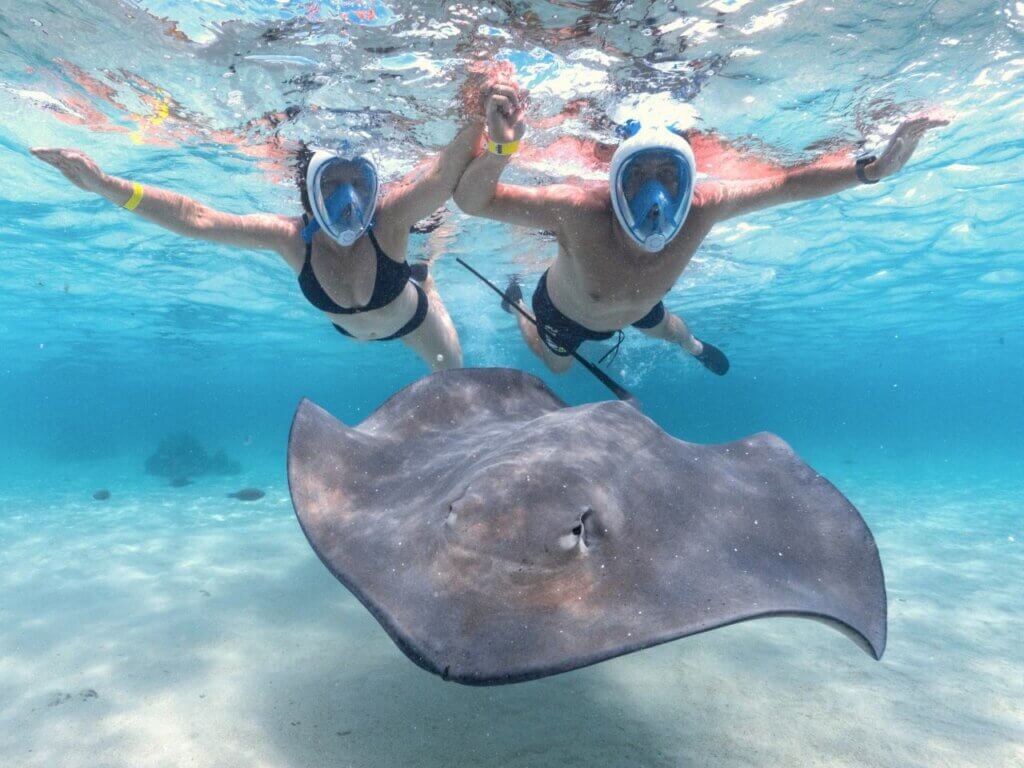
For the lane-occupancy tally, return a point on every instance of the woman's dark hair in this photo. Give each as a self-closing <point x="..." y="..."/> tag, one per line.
<point x="302" y="157"/>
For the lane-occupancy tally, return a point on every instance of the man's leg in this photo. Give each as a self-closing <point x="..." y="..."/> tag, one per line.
<point x="555" y="363"/>
<point x="674" y="329"/>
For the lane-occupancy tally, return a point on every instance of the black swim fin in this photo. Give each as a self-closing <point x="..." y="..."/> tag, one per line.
<point x="714" y="359"/>
<point x="513" y="294"/>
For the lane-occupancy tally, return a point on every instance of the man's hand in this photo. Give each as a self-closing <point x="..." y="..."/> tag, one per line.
<point x="77" y="166"/>
<point x="901" y="146"/>
<point x="506" y="106"/>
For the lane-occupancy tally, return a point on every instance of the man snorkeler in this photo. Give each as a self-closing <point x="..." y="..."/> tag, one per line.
<point x="622" y="245"/>
<point x="348" y="249"/>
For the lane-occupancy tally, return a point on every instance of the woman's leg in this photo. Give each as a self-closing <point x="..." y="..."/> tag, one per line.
<point x="436" y="341"/>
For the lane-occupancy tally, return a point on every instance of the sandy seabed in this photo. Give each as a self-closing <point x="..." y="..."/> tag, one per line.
<point x="176" y="627"/>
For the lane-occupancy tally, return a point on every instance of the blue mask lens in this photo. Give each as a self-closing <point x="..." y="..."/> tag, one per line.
<point x="342" y="208"/>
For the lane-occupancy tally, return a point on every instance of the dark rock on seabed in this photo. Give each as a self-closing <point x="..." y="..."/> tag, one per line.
<point x="181" y="457"/>
<point x="247" y="494"/>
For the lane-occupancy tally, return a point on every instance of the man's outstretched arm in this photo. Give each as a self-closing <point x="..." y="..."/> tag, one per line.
<point x="820" y="178"/>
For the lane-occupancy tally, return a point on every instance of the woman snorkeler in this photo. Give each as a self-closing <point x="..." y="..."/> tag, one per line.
<point x="348" y="248"/>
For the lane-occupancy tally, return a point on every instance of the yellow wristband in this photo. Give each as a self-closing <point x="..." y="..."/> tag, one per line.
<point x="509" y="148"/>
<point x="135" y="199"/>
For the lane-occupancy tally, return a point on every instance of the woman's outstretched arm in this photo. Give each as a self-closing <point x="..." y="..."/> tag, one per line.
<point x="176" y="213"/>
<point x="431" y="184"/>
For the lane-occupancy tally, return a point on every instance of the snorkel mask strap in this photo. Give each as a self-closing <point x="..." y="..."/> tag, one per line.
<point x="628" y="129"/>
<point x="311" y="228"/>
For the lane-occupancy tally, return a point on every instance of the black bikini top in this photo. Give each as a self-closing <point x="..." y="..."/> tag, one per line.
<point x="388" y="285"/>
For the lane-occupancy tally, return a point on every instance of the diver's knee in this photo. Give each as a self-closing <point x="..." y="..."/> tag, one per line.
<point x="558" y="364"/>
<point x="450" y="353"/>
<point x="443" y="361"/>
<point x="451" y="360"/>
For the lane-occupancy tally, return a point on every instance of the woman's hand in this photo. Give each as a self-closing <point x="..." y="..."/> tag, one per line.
<point x="77" y="166"/>
<point x="901" y="146"/>
<point x="473" y="92"/>
<point x="506" y="107"/>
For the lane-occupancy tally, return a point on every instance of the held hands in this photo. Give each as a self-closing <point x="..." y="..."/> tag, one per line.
<point x="78" y="167"/>
<point x="901" y="146"/>
<point x="505" y="109"/>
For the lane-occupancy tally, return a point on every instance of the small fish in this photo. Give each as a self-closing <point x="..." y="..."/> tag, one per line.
<point x="247" y="494"/>
<point x="101" y="495"/>
<point x="180" y="482"/>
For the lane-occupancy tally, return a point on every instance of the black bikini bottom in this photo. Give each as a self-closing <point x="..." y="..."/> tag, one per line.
<point x="414" y="322"/>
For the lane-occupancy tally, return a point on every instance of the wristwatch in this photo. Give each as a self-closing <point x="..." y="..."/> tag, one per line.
<point x="862" y="163"/>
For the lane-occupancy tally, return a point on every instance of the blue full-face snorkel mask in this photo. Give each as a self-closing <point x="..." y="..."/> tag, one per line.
<point x="653" y="213"/>
<point x="343" y="210"/>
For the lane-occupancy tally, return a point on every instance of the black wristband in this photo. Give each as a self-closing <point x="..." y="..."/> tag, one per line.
<point x="861" y="163"/>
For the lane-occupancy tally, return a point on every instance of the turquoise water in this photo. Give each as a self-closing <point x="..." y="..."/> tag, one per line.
<point x="880" y="332"/>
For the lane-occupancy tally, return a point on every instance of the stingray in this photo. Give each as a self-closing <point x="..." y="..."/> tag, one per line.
<point x="499" y="535"/>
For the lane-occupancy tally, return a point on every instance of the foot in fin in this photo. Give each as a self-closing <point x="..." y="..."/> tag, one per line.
<point x="419" y="271"/>
<point x="513" y="294"/>
<point x="430" y="223"/>
<point x="714" y="359"/>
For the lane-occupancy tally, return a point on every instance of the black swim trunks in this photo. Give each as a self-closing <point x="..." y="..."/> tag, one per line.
<point x="562" y="335"/>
